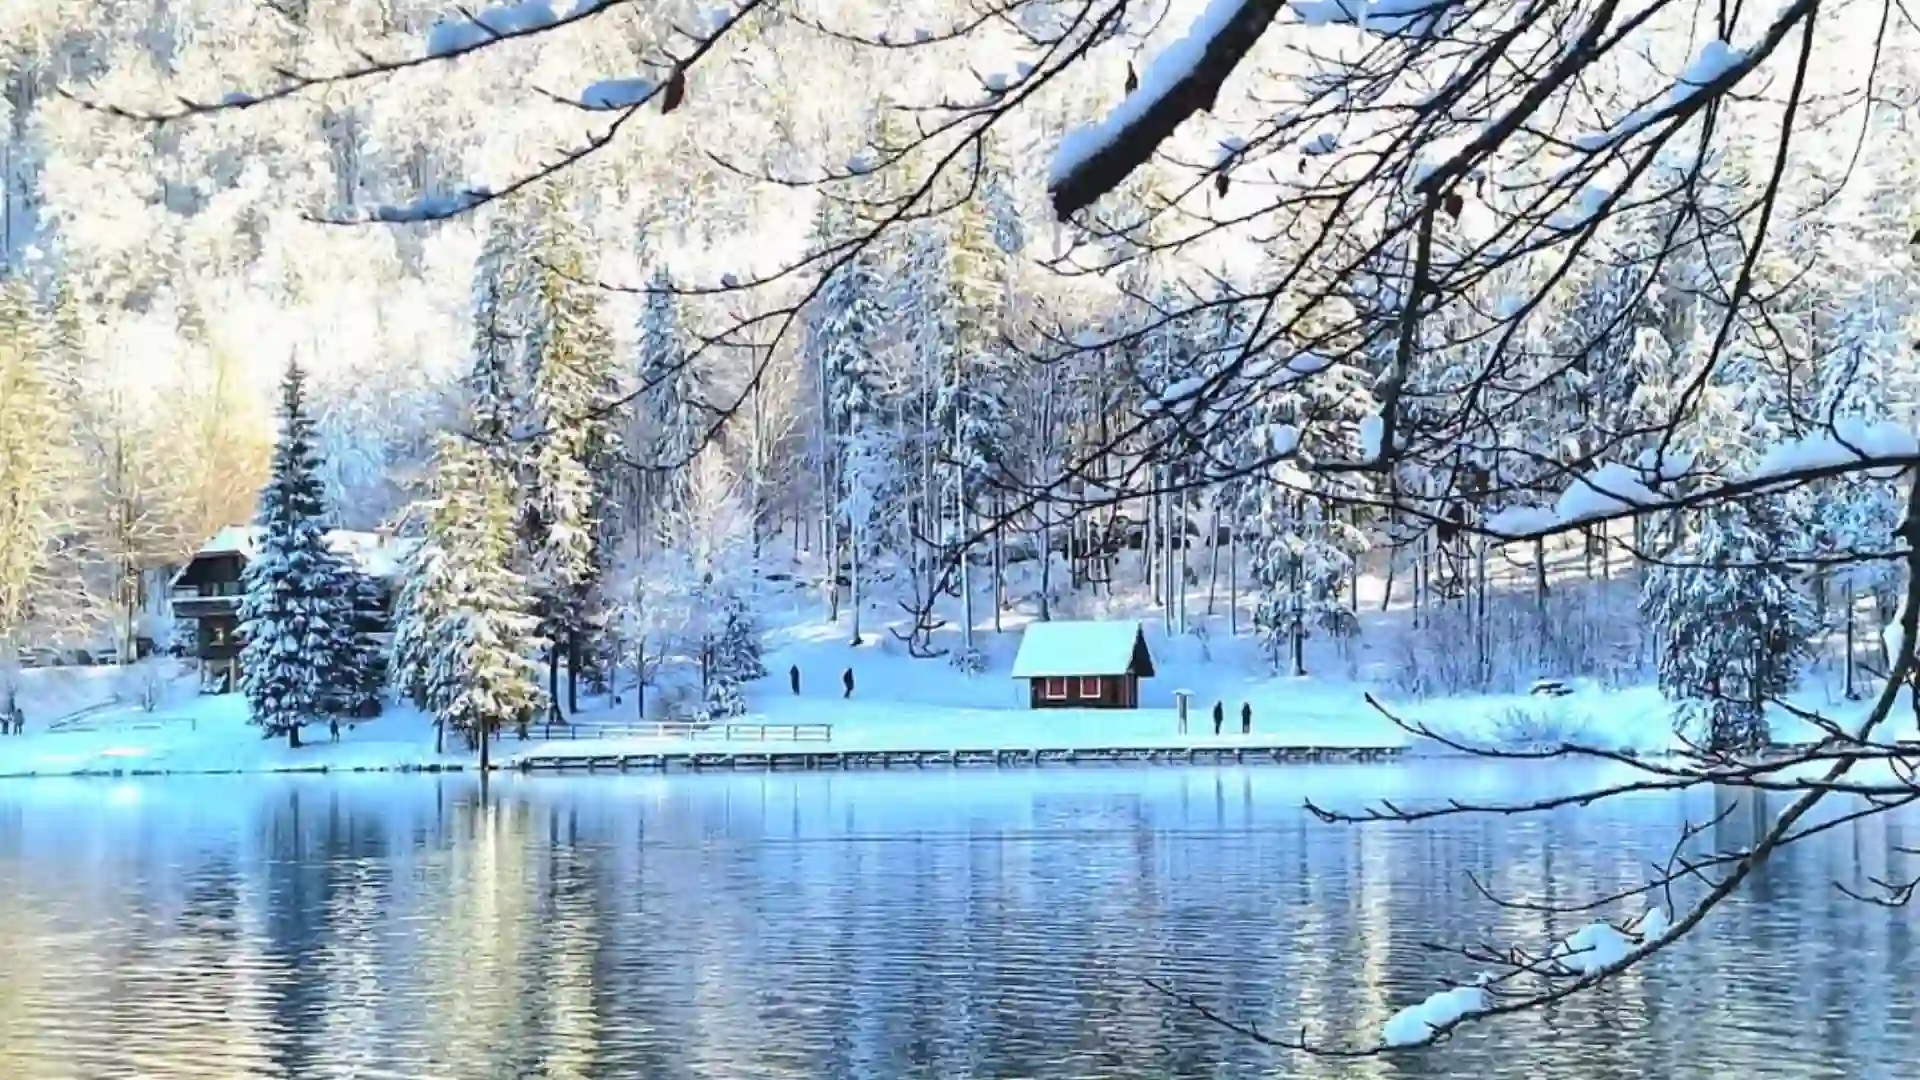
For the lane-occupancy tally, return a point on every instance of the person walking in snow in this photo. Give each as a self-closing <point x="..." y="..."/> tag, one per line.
<point x="333" y="729"/>
<point x="1246" y="718"/>
<point x="846" y="680"/>
<point x="1219" y="716"/>
<point x="793" y="678"/>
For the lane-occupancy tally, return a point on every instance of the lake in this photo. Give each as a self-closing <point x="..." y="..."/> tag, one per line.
<point x="888" y="926"/>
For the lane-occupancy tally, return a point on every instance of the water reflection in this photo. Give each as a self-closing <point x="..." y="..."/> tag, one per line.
<point x="881" y="926"/>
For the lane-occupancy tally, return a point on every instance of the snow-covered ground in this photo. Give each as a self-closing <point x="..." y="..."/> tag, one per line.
<point x="900" y="703"/>
<point x="211" y="733"/>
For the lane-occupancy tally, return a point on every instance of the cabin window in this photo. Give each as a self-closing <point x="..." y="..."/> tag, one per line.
<point x="1089" y="686"/>
<point x="1056" y="689"/>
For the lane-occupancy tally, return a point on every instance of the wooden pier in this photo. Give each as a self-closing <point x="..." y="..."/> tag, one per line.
<point x="769" y="760"/>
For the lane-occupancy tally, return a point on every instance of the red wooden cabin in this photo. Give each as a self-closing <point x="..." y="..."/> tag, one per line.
<point x="1084" y="665"/>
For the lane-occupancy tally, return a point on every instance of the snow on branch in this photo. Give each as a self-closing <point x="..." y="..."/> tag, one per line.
<point x="1185" y="78"/>
<point x="425" y="208"/>
<point x="1385" y="17"/>
<point x="1850" y="442"/>
<point x="608" y="95"/>
<point x="1709" y="71"/>
<point x="466" y="33"/>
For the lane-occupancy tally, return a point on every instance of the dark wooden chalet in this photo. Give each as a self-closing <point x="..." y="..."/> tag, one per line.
<point x="207" y="591"/>
<point x="1084" y="665"/>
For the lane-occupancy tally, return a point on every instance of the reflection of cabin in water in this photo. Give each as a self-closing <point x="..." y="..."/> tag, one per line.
<point x="207" y="590"/>
<point x="1084" y="665"/>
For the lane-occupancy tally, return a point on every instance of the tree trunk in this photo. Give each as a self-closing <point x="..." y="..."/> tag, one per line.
<point x="1233" y="578"/>
<point x="1213" y="559"/>
<point x="553" y="676"/>
<point x="486" y="747"/>
<point x="573" y="671"/>
<point x="293" y="736"/>
<point x="999" y="561"/>
<point x="853" y="578"/>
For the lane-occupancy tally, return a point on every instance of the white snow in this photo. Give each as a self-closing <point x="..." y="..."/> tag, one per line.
<point x="1850" y="441"/>
<point x="1611" y="489"/>
<point x="1173" y="64"/>
<point x="1594" y="947"/>
<point x="1655" y="466"/>
<point x="1581" y="209"/>
<point x="374" y="554"/>
<point x="1284" y="438"/>
<point x="1712" y="62"/>
<point x="1415" y="1024"/>
<point x="1076" y="648"/>
<point x="1230" y="148"/>
<point x="1521" y="521"/>
<point x="616" y="93"/>
<point x="1372" y="430"/>
<point x="1654" y="925"/>
<point x="1324" y="143"/>
<point x="1388" y="17"/>
<point x="461" y="33"/>
<point x="425" y="208"/>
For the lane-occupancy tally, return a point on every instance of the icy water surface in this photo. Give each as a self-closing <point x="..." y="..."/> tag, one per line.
<point x="881" y="927"/>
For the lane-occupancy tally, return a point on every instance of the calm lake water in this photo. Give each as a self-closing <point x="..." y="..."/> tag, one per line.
<point x="882" y="927"/>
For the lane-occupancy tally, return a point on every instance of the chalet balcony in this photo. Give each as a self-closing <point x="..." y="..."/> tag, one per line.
<point x="201" y="601"/>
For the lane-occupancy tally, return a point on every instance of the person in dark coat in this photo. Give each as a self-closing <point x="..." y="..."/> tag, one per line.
<point x="333" y="729"/>
<point x="793" y="679"/>
<point x="1246" y="718"/>
<point x="1219" y="716"/>
<point x="846" y="680"/>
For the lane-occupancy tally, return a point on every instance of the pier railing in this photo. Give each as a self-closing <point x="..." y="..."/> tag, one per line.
<point x="687" y="730"/>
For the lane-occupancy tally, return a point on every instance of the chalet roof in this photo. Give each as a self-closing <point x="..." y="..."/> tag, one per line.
<point x="373" y="554"/>
<point x="1050" y="649"/>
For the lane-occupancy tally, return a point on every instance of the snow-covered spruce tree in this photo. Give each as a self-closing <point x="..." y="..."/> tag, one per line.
<point x="845" y="332"/>
<point x="672" y="417"/>
<point x="297" y="605"/>
<point x="574" y="386"/>
<point x="1734" y="627"/>
<point x="970" y="406"/>
<point x="421" y="609"/>
<point x="735" y="657"/>
<point x="481" y="675"/>
<point x="359" y="686"/>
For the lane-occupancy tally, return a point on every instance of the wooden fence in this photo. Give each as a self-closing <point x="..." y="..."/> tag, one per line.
<point x="686" y="730"/>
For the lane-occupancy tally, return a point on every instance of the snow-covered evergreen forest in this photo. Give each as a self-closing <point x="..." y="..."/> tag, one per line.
<point x="1580" y="331"/>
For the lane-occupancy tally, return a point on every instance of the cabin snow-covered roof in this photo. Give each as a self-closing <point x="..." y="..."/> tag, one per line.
<point x="372" y="553"/>
<point x="1054" y="649"/>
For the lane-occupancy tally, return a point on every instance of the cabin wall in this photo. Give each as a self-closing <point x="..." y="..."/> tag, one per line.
<point x="1113" y="692"/>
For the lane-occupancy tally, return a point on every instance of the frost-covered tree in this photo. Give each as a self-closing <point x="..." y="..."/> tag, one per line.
<point x="846" y="335"/>
<point x="672" y="417"/>
<point x="469" y="631"/>
<point x="35" y="467"/>
<point x="1734" y="626"/>
<point x="573" y="390"/>
<point x="297" y="606"/>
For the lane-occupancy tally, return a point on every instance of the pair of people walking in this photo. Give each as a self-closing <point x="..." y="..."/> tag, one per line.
<point x="13" y="721"/>
<point x="846" y="681"/>
<point x="1220" y="717"/>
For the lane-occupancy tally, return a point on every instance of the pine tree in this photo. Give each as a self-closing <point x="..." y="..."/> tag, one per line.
<point x="845" y="334"/>
<point x="481" y="675"/>
<point x="296" y="612"/>
<point x="1734" y="627"/>
<point x="567" y="476"/>
<point x="671" y="398"/>
<point x="734" y="658"/>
